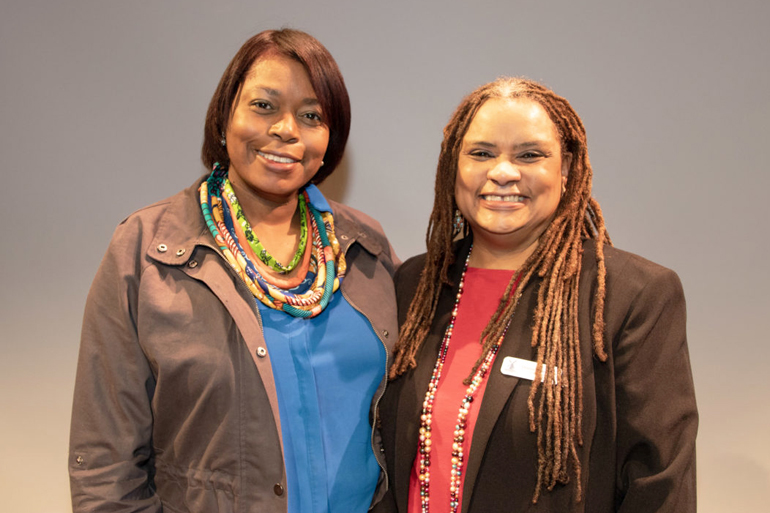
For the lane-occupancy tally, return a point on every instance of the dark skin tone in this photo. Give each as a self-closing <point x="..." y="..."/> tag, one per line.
<point x="276" y="140"/>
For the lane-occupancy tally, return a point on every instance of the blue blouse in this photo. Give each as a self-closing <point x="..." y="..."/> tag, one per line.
<point x="326" y="370"/>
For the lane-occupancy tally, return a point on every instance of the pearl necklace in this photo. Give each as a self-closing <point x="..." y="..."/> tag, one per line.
<point x="426" y="419"/>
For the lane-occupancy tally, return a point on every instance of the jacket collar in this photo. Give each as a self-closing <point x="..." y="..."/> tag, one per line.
<point x="182" y="227"/>
<point x="347" y="227"/>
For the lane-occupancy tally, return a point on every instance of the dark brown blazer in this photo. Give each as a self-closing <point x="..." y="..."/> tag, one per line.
<point x="639" y="417"/>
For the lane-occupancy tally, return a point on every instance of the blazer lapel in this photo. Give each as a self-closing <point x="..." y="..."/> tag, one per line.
<point x="517" y="343"/>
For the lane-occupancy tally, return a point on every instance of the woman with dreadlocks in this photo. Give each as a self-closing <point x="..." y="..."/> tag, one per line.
<point x="538" y="368"/>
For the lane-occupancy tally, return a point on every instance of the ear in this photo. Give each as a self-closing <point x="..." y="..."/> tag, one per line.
<point x="566" y="164"/>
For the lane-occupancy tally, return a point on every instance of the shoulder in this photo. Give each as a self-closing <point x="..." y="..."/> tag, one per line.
<point x="638" y="294"/>
<point x="406" y="280"/>
<point x="629" y="273"/>
<point x="349" y="222"/>
<point x="411" y="269"/>
<point x="174" y="220"/>
<point x="409" y="273"/>
<point x="147" y="221"/>
<point x="350" y="218"/>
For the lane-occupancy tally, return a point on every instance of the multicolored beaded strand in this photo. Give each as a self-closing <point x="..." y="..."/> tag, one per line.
<point x="331" y="265"/>
<point x="256" y="246"/>
<point x="426" y="419"/>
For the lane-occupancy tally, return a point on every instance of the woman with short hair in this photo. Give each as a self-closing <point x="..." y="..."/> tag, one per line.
<point x="236" y="336"/>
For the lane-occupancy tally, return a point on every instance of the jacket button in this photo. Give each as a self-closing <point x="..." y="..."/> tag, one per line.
<point x="192" y="264"/>
<point x="278" y="489"/>
<point x="79" y="460"/>
<point x="180" y="252"/>
<point x="162" y="248"/>
<point x="262" y="352"/>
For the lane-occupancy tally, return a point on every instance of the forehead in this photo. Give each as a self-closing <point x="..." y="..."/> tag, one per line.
<point x="512" y="118"/>
<point x="279" y="74"/>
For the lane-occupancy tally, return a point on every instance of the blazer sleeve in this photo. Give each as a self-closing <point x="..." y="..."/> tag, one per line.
<point x="657" y="419"/>
<point x="111" y="456"/>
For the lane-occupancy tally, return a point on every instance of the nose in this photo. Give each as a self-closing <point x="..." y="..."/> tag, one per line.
<point x="285" y="128"/>
<point x="504" y="172"/>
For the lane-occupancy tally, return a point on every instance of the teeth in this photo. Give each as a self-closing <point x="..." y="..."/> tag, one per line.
<point x="512" y="198"/>
<point x="276" y="158"/>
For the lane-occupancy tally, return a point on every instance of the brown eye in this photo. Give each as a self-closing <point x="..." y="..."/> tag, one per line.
<point x="314" y="116"/>
<point x="262" y="105"/>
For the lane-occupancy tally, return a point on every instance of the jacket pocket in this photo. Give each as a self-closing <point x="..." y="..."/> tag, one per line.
<point x="193" y="490"/>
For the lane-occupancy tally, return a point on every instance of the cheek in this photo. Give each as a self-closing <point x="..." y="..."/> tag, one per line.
<point x="460" y="191"/>
<point x="319" y="142"/>
<point x="464" y="197"/>
<point x="240" y="128"/>
<point x="465" y="184"/>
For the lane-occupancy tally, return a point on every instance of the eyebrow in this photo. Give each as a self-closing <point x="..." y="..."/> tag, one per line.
<point x="486" y="144"/>
<point x="275" y="92"/>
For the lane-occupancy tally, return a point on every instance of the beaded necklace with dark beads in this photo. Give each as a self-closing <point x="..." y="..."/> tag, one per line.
<point x="426" y="418"/>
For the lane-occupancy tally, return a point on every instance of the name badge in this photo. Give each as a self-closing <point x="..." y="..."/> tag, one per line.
<point x="524" y="369"/>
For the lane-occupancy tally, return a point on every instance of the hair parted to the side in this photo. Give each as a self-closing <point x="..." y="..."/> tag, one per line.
<point x="556" y="414"/>
<point x="325" y="77"/>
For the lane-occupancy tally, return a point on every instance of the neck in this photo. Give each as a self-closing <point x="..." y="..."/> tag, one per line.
<point x="275" y="221"/>
<point x="488" y="255"/>
<point x="261" y="210"/>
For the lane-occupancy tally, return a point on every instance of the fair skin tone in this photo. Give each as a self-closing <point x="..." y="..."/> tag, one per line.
<point x="510" y="178"/>
<point x="276" y="140"/>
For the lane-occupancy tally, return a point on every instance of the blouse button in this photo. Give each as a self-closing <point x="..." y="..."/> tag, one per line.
<point x="344" y="237"/>
<point x="79" y="460"/>
<point x="278" y="489"/>
<point x="385" y="333"/>
<point x="162" y="248"/>
<point x="192" y="264"/>
<point x="262" y="352"/>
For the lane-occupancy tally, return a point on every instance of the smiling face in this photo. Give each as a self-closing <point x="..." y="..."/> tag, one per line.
<point x="276" y="136"/>
<point x="510" y="174"/>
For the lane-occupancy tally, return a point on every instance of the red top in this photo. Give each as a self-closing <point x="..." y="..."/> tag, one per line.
<point x="482" y="291"/>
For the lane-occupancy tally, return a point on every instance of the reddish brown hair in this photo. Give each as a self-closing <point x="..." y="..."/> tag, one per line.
<point x="325" y="77"/>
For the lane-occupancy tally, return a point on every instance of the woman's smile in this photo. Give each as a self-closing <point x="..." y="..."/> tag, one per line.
<point x="506" y="198"/>
<point x="274" y="157"/>
<point x="510" y="173"/>
<point x="276" y="138"/>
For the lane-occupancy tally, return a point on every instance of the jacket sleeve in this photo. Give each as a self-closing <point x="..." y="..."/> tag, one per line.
<point x="111" y="456"/>
<point x="657" y="418"/>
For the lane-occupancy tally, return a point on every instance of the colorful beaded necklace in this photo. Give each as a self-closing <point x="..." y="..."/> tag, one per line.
<point x="327" y="260"/>
<point x="256" y="246"/>
<point x="426" y="418"/>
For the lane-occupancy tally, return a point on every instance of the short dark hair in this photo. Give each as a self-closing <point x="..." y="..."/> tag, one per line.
<point x="325" y="77"/>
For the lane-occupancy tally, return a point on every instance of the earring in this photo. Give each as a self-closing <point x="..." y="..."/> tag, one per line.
<point x="223" y="141"/>
<point x="459" y="222"/>
<point x="322" y="163"/>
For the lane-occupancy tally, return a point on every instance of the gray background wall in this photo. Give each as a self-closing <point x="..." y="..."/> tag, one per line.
<point x="101" y="112"/>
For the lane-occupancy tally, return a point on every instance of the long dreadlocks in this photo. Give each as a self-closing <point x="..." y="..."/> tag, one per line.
<point x="556" y="414"/>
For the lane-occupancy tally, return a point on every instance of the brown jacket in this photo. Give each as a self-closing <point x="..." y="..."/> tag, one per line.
<point x="175" y="407"/>
<point x="639" y="422"/>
